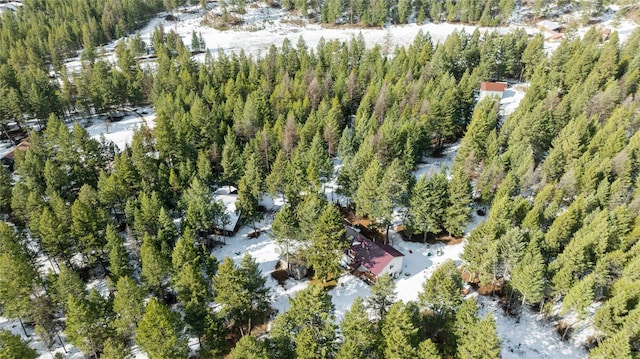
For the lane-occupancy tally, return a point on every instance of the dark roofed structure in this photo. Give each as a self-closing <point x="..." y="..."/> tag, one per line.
<point x="22" y="146"/>
<point x="367" y="256"/>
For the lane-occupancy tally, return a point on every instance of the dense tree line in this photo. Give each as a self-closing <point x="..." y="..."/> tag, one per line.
<point x="264" y="125"/>
<point x="38" y="39"/>
<point x="561" y="176"/>
<point x="273" y="125"/>
<point x="381" y="12"/>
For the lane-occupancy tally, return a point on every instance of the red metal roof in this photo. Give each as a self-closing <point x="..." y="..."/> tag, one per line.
<point x="493" y="86"/>
<point x="371" y="255"/>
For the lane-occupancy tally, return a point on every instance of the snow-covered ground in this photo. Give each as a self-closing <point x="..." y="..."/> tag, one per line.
<point x="121" y="132"/>
<point x="265" y="26"/>
<point x="511" y="98"/>
<point x="530" y="336"/>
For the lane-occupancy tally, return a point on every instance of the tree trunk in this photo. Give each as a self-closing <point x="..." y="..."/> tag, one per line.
<point x="387" y="234"/>
<point x="6" y="133"/>
<point x="61" y="343"/>
<point x="23" y="328"/>
<point x="424" y="237"/>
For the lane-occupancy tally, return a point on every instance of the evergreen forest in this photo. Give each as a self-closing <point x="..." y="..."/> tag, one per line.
<point x="559" y="177"/>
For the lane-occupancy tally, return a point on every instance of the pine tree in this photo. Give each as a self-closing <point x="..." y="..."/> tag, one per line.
<point x="43" y="316"/>
<point x="528" y="276"/>
<point x="228" y="286"/>
<point x="195" y="318"/>
<point x="18" y="279"/>
<point x="466" y="318"/>
<point x="5" y="190"/>
<point x="159" y="333"/>
<point x="295" y="179"/>
<point x="213" y="340"/>
<point x="275" y="181"/>
<point x="310" y="308"/>
<point x="360" y="336"/>
<point x="12" y="347"/>
<point x="285" y="229"/>
<point x="368" y="190"/>
<point x="400" y="335"/>
<point x="511" y="248"/>
<point x="250" y="190"/>
<point x="87" y="322"/>
<point x="254" y="287"/>
<point x="119" y="261"/>
<point x="306" y="345"/>
<point x="458" y="212"/>
<point x="167" y="233"/>
<point x="115" y="349"/>
<point x="190" y="284"/>
<point x="205" y="173"/>
<point x="428" y="204"/>
<point x="481" y="341"/>
<point x="441" y="292"/>
<point x="128" y="306"/>
<point x="428" y="350"/>
<point x="248" y="347"/>
<point x="185" y="251"/>
<point x="580" y="296"/>
<point x="318" y="159"/>
<point x="327" y="244"/>
<point x="88" y="223"/>
<point x="308" y="213"/>
<point x="68" y="284"/>
<point x="382" y="297"/>
<point x="201" y="208"/>
<point x="532" y="56"/>
<point x="231" y="160"/>
<point x="395" y="190"/>
<point x="616" y="346"/>
<point x="155" y="266"/>
<point x="54" y="230"/>
<point x="372" y="197"/>
<point x="241" y="292"/>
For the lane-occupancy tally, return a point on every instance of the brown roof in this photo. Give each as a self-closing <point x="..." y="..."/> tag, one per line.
<point x="493" y="86"/>
<point x="555" y="36"/>
<point x="22" y="146"/>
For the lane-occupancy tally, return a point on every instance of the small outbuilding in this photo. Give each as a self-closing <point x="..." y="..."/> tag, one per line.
<point x="228" y="197"/>
<point x="488" y="88"/>
<point x="548" y="25"/>
<point x="295" y="267"/>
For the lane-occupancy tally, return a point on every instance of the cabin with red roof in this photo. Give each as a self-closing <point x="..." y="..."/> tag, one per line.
<point x="492" y="89"/>
<point x="370" y="259"/>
